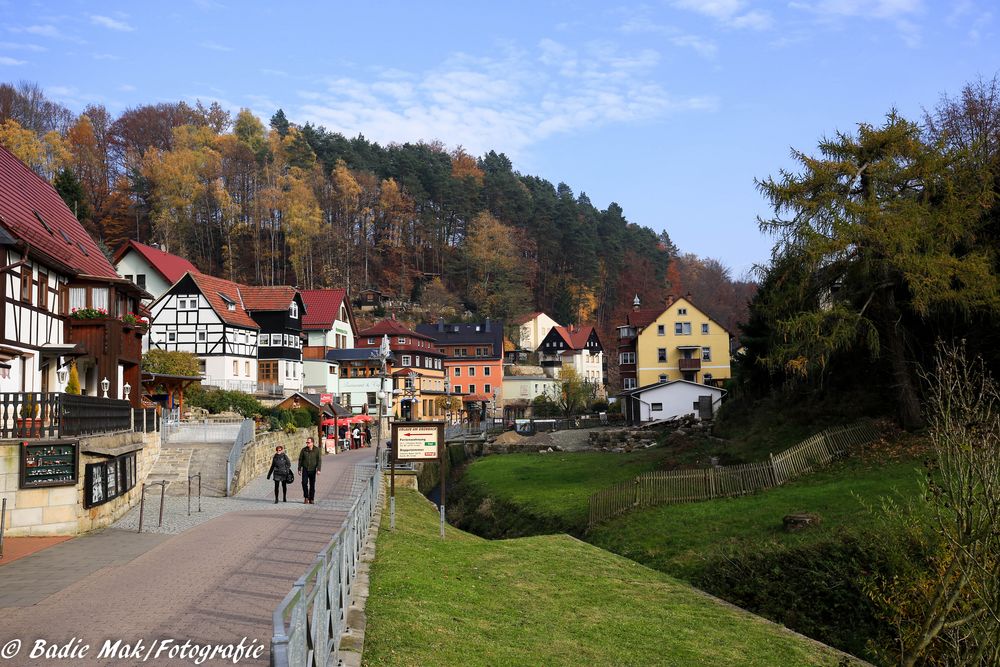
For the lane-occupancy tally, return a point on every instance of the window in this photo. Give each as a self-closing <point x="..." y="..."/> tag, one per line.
<point x="202" y="336"/>
<point x="708" y="378"/>
<point x="472" y="371"/>
<point x="372" y="399"/>
<point x="345" y="400"/>
<point x="267" y="371"/>
<point x="663" y="378"/>
<point x="43" y="291"/>
<point x="458" y="389"/>
<point x="333" y="370"/>
<point x="626" y="358"/>
<point x="656" y="407"/>
<point x="486" y="370"/>
<point x="401" y="340"/>
<point x="704" y="328"/>
<point x="472" y="389"/>
<point x="140" y="280"/>
<point x="128" y="277"/>
<point x="404" y="360"/>
<point x="236" y="368"/>
<point x="706" y="354"/>
<point x="408" y="383"/>
<point x="201" y="366"/>
<point x="458" y="372"/>
<point x="488" y="389"/>
<point x="99" y="297"/>
<point x="371" y="341"/>
<point x="171" y="336"/>
<point x="661" y="355"/>
<point x="26" y="279"/>
<point x="682" y="311"/>
<point x="661" y="330"/>
<point x="682" y="328"/>
<point x="293" y="311"/>
<point x="230" y="306"/>
<point x="246" y="368"/>
<point x="628" y="383"/>
<point x="77" y="298"/>
<point x="241" y="337"/>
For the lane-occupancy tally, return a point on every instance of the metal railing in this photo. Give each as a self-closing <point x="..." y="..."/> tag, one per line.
<point x="3" y="522"/>
<point x="243" y="438"/>
<point x="247" y="386"/>
<point x="205" y="430"/>
<point x="145" y="420"/>
<point x="190" y="477"/>
<point x="310" y="620"/>
<point x="57" y="415"/>
<point x="142" y="501"/>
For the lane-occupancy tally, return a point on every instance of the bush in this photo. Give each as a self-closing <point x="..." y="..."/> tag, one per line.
<point x="543" y="406"/>
<point x="600" y="405"/>
<point x="302" y="418"/>
<point x="218" y="400"/>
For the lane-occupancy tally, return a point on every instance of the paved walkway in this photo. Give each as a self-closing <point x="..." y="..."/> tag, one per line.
<point x="215" y="582"/>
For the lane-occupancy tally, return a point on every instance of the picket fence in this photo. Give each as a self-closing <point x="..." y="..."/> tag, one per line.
<point x="664" y="487"/>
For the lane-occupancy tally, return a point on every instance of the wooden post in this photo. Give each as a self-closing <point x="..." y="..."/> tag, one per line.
<point x="774" y="470"/>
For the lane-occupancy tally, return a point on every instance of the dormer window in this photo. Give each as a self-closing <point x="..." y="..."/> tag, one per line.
<point x="293" y="311"/>
<point x="230" y="306"/>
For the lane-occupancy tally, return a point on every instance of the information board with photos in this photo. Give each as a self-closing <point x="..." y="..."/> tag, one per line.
<point x="49" y="464"/>
<point x="109" y="479"/>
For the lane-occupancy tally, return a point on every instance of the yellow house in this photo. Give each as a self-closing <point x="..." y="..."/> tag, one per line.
<point x="682" y="343"/>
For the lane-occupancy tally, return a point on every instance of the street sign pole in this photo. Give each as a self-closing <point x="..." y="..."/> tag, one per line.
<point x="444" y="481"/>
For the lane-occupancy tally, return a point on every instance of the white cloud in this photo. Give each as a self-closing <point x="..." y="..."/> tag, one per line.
<point x="105" y="56"/>
<point x="15" y="46"/>
<point x="5" y="60"/>
<point x="875" y="9"/>
<point x="701" y="46"/>
<point x="509" y="102"/>
<point x="110" y="23"/>
<point x="41" y="30"/>
<point x="127" y="88"/>
<point x="214" y="46"/>
<point x="730" y="13"/>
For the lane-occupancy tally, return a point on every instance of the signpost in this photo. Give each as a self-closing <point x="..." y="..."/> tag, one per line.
<point x="325" y="399"/>
<point x="417" y="441"/>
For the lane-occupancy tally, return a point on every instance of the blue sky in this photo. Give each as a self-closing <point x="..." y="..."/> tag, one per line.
<point x="670" y="108"/>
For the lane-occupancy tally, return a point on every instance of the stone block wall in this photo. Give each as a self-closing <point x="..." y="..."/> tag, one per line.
<point x="59" y="510"/>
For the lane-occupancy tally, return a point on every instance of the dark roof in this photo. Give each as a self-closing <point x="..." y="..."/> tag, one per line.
<point x="278" y="297"/>
<point x="391" y="328"/>
<point x="643" y="317"/>
<point x="639" y="390"/>
<point x="463" y="333"/>
<point x="33" y="212"/>
<point x="171" y="267"/>
<point x="322" y="307"/>
<point x="353" y="354"/>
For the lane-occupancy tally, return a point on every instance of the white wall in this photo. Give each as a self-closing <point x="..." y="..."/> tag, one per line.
<point x="677" y="399"/>
<point x="317" y="376"/>
<point x="533" y="331"/>
<point x="133" y="264"/>
<point x="525" y="387"/>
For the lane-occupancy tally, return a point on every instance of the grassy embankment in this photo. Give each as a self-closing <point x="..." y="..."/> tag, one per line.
<point x="548" y="600"/>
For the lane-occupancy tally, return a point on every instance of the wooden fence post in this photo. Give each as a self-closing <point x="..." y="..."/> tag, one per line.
<point x="774" y="470"/>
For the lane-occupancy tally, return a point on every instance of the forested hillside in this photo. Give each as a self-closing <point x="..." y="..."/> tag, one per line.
<point x="291" y="204"/>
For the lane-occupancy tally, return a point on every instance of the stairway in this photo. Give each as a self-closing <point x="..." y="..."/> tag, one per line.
<point x="180" y="459"/>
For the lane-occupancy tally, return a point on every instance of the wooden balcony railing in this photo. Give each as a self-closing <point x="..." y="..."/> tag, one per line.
<point x="29" y="415"/>
<point x="689" y="364"/>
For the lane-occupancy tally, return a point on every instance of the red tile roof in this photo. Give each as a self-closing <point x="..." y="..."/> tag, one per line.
<point x="322" y="307"/>
<point x="392" y="328"/>
<point x="575" y="337"/>
<point x="643" y="317"/>
<point x="278" y="297"/>
<point x="171" y="267"/>
<point x="214" y="289"/>
<point x="525" y="318"/>
<point x="22" y="194"/>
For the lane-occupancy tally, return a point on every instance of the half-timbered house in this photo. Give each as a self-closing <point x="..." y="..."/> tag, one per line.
<point x="150" y="267"/>
<point x="205" y="315"/>
<point x="278" y="311"/>
<point x="62" y="299"/>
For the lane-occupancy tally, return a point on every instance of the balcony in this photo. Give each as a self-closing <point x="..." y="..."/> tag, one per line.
<point x="56" y="415"/>
<point x="550" y="361"/>
<point x="689" y="364"/>
<point x="107" y="337"/>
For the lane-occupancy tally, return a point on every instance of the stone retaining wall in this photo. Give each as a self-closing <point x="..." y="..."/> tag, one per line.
<point x="59" y="510"/>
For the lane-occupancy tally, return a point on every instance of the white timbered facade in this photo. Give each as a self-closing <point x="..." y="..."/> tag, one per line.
<point x="204" y="315"/>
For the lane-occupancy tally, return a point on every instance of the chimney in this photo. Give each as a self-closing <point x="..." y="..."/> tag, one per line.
<point x="487" y="328"/>
<point x="670" y="300"/>
<point x="441" y="325"/>
<point x="688" y="296"/>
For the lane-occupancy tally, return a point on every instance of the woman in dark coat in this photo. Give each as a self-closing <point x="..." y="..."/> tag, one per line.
<point x="281" y="468"/>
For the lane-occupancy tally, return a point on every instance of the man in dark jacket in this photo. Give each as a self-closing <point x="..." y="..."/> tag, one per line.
<point x="310" y="462"/>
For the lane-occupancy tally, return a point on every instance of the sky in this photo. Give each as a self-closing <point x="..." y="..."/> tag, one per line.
<point x="669" y="108"/>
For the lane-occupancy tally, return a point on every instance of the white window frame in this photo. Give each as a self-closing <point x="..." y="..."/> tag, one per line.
<point x="656" y="407"/>
<point x="626" y="358"/>
<point x="202" y="336"/>
<point x="404" y="360"/>
<point x="171" y="336"/>
<point x="661" y="355"/>
<point x="628" y="383"/>
<point x="706" y="354"/>
<point x="293" y="311"/>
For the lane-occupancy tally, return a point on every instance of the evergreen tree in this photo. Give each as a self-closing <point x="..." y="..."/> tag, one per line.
<point x="71" y="190"/>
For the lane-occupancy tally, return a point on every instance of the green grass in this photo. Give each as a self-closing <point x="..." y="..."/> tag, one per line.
<point x="678" y="538"/>
<point x="549" y="600"/>
<point x="557" y="484"/>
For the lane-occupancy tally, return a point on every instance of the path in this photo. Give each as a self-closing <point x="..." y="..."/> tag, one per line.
<point x="216" y="582"/>
<point x="178" y="460"/>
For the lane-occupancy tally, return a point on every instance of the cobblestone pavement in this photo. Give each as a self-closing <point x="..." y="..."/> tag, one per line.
<point x="216" y="582"/>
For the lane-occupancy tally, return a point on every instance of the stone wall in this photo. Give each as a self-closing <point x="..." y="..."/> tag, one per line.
<point x="59" y="510"/>
<point x="257" y="455"/>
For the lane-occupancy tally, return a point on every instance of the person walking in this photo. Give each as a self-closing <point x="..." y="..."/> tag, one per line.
<point x="281" y="468"/>
<point x="310" y="462"/>
<point x="368" y="436"/>
<point x="356" y="438"/>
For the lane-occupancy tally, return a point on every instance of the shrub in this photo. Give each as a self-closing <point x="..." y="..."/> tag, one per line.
<point x="218" y="400"/>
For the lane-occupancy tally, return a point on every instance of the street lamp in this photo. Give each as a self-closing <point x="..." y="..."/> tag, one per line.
<point x="127" y="389"/>
<point x="105" y="385"/>
<point x="62" y="375"/>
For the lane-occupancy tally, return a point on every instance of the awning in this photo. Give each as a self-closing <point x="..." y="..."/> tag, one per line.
<point x="689" y="347"/>
<point x="63" y="350"/>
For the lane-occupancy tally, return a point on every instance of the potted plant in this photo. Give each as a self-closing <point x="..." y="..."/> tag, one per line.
<point x="28" y="424"/>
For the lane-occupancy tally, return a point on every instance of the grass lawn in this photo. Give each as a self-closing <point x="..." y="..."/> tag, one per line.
<point x="558" y="484"/>
<point x="678" y="538"/>
<point x="549" y="600"/>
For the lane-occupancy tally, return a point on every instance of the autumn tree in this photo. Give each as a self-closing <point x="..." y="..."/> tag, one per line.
<point x="496" y="273"/>
<point x="882" y="223"/>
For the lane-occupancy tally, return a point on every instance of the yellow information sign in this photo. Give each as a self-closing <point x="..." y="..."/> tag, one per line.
<point x="416" y="442"/>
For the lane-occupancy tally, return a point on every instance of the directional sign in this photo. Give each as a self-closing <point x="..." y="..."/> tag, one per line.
<point x="325" y="399"/>
<point x="416" y="441"/>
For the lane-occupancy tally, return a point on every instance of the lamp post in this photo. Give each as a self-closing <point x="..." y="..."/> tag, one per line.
<point x="105" y="385"/>
<point x="447" y="399"/>
<point x="381" y="355"/>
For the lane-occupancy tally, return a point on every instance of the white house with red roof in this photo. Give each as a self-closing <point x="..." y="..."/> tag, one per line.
<point x="328" y="325"/>
<point x="149" y="267"/>
<point x="207" y="316"/>
<point x="531" y="329"/>
<point x="578" y="347"/>
<point x="62" y="298"/>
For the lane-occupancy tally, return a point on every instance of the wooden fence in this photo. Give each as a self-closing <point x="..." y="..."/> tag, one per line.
<point x="680" y="486"/>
